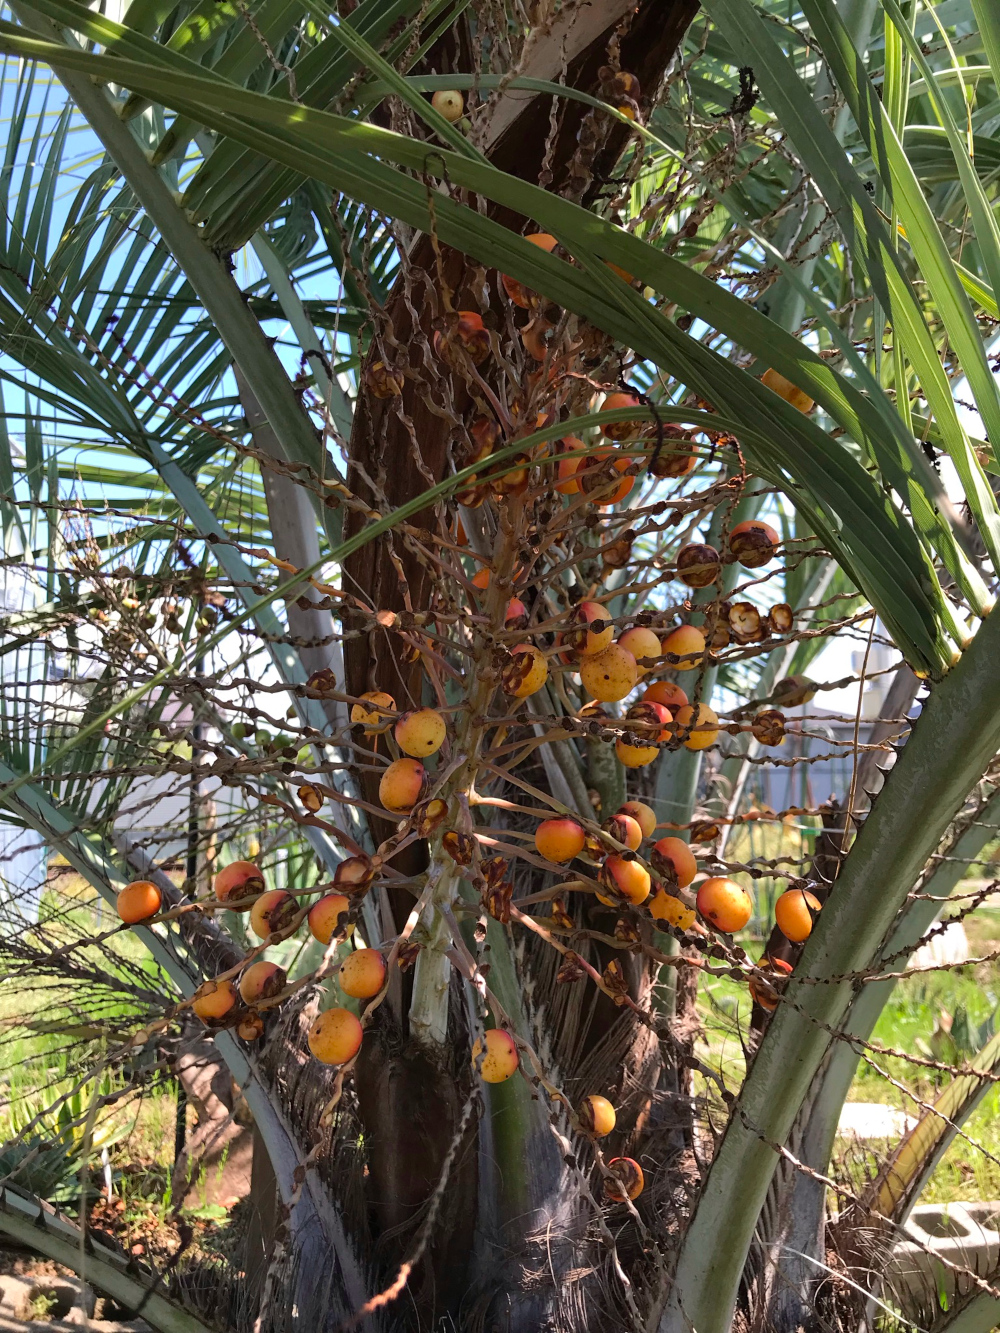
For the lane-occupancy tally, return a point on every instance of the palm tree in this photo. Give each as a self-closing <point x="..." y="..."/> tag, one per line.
<point x="299" y="518"/>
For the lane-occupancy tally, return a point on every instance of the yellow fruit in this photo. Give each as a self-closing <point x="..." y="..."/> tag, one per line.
<point x="138" y="901"/>
<point x="688" y="643"/>
<point x="625" y="877"/>
<point x="787" y="390"/>
<point x="609" y="675"/>
<point x="500" y="1059"/>
<point x="559" y="840"/>
<point x="421" y="733"/>
<point x="641" y="643"/>
<point x="583" y="640"/>
<point x="643" y="815"/>
<point x="450" y="104"/>
<point x="665" y="907"/>
<point x="525" y="672"/>
<point x="373" y="719"/>
<point x="324" y="917"/>
<point x="213" y="999"/>
<point x="335" y="1037"/>
<point x="794" y="912"/>
<point x="635" y="756"/>
<point x="402" y="785"/>
<point x="272" y="911"/>
<point x="697" y="726"/>
<point x="725" y="903"/>
<point x="597" y="1115"/>
<point x="362" y="974"/>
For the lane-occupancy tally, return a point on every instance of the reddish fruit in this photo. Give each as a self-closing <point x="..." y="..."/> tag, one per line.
<point x="373" y="718"/>
<point x="500" y="1059"/>
<point x="725" y="903"/>
<point x="271" y="912"/>
<point x="698" y="564"/>
<point x="787" y="390"/>
<point x="567" y="467"/>
<point x="624" y="829"/>
<point x="665" y="692"/>
<point x="687" y="643"/>
<point x="421" y="732"/>
<point x="598" y="476"/>
<point x="213" y="1000"/>
<point x="335" y="1037"/>
<point x="651" y="721"/>
<point x="525" y="672"/>
<point x="753" y="543"/>
<point x="697" y="726"/>
<point x="643" y="815"/>
<point x="261" y="981"/>
<point x="402" y="785"/>
<point x="326" y="916"/>
<point x="674" y="860"/>
<point x="664" y="906"/>
<point x="559" y="840"/>
<point x="239" y="879"/>
<point x="597" y="1115"/>
<point x="481" y="579"/>
<point x="362" y="974"/>
<point x="628" y="878"/>
<point x="464" y="335"/>
<point x="624" y="428"/>
<point x="516" y="615"/>
<point x="523" y="296"/>
<point x="535" y="337"/>
<point x="766" y="990"/>
<point x="591" y="630"/>
<point x="644" y="646"/>
<point x="138" y="901"/>
<point x="626" y="1179"/>
<point x="794" y="913"/>
<point x="609" y="675"/>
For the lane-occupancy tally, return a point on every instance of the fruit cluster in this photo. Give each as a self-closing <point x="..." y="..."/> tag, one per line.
<point x="589" y="672"/>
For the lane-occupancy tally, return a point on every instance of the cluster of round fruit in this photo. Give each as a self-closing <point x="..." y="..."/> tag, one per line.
<point x="335" y="1036"/>
<point x="497" y="1059"/>
<point x="719" y="900"/>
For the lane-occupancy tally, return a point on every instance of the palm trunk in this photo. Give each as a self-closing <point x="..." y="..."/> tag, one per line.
<point x="419" y="1087"/>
